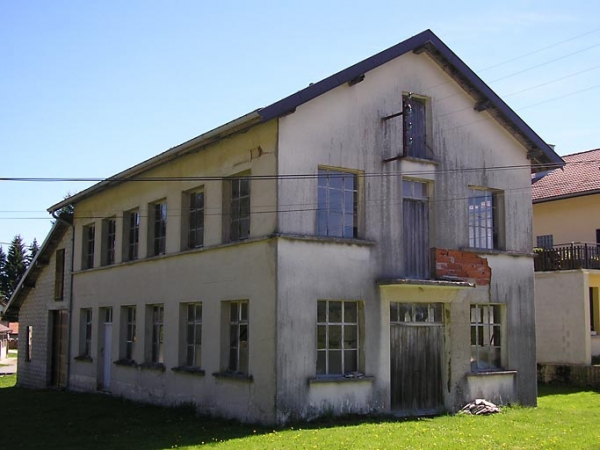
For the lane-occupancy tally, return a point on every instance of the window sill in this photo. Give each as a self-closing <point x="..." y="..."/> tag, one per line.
<point x="126" y="363"/>
<point x="234" y="376"/>
<point x="152" y="366"/>
<point x="491" y="251"/>
<point x="83" y="358"/>
<point x="420" y="160"/>
<point x="325" y="239"/>
<point x="491" y="373"/>
<point x="340" y="379"/>
<point x="189" y="369"/>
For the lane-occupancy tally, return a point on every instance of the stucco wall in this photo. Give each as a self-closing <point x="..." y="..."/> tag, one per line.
<point x="343" y="129"/>
<point x="243" y="272"/>
<point x="217" y="273"/>
<point x="584" y="219"/>
<point x="562" y="325"/>
<point x="36" y="312"/>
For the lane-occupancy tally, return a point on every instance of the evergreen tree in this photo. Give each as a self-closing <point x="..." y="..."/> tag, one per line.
<point x="31" y="251"/>
<point x="16" y="264"/>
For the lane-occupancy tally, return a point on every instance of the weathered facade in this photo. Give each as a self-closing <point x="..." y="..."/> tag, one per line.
<point x="358" y="251"/>
<point x="567" y="277"/>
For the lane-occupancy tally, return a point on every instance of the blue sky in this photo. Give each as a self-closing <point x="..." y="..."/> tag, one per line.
<point x="88" y="89"/>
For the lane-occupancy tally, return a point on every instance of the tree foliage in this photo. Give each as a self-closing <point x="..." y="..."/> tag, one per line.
<point x="14" y="264"/>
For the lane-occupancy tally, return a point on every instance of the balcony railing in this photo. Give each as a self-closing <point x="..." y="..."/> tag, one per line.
<point x="577" y="255"/>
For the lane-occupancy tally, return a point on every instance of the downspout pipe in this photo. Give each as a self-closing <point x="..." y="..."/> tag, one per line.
<point x="56" y="216"/>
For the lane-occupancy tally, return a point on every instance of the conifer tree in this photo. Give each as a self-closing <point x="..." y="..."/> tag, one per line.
<point x="16" y="264"/>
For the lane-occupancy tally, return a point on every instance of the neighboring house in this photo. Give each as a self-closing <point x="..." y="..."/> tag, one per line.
<point x="351" y="248"/>
<point x="4" y="332"/>
<point x="566" y="228"/>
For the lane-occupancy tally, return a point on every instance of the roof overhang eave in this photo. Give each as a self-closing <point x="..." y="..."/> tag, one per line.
<point x="239" y="124"/>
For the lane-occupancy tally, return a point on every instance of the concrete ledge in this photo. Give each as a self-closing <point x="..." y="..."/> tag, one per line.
<point x="326" y="380"/>
<point x="234" y="376"/>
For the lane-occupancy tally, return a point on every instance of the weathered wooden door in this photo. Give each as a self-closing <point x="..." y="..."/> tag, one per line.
<point x="58" y="358"/>
<point x="416" y="347"/>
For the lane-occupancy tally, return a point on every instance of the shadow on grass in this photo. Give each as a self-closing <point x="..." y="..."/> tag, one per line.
<point x="545" y="390"/>
<point x="67" y="420"/>
<point x="41" y="419"/>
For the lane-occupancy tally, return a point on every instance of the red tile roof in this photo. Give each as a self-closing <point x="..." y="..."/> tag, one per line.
<point x="580" y="176"/>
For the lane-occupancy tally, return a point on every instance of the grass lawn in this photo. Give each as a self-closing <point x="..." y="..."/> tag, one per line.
<point x="13" y="354"/>
<point x="566" y="418"/>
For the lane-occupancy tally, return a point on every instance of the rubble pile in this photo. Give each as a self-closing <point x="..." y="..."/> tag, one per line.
<point x="480" y="407"/>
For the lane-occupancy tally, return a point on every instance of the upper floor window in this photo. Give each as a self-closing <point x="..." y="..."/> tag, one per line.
<point x="195" y="222"/>
<point x="415" y="229"/>
<point x="159" y="228"/>
<point x="338" y="335"/>
<point x="486" y="337"/>
<point x="414" y="126"/>
<point x="89" y="237"/>
<point x="485" y="216"/>
<point x="110" y="240"/>
<point x="545" y="241"/>
<point x="237" y="202"/>
<point x="131" y="234"/>
<point x="338" y="204"/>
<point x="59" y="275"/>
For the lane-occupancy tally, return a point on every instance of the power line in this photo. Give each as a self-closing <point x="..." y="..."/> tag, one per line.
<point x="538" y="50"/>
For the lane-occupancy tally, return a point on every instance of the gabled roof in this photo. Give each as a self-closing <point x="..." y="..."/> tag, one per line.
<point x="541" y="154"/>
<point x="580" y="176"/>
<point x="40" y="260"/>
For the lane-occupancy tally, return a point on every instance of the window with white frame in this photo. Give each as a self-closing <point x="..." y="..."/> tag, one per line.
<point x="110" y="240"/>
<point x="338" y="337"/>
<point x="238" y="337"/>
<point x="337" y="213"/>
<point x="131" y="234"/>
<point x="89" y="236"/>
<point x="85" y="333"/>
<point x="485" y="218"/>
<point x="195" y="222"/>
<point x="193" y="335"/>
<point x="486" y="337"/>
<point x="158" y="228"/>
<point x="128" y="315"/>
<point x="157" y="333"/>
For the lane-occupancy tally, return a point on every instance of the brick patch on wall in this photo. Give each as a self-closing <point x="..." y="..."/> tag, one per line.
<point x="460" y="264"/>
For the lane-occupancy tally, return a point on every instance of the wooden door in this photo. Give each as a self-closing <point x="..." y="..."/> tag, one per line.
<point x="58" y="357"/>
<point x="416" y="367"/>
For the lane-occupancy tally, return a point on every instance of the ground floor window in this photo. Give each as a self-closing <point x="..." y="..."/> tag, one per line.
<point x="338" y="337"/>
<point x="193" y="335"/>
<point x="238" y="337"/>
<point x="157" y="336"/>
<point x="486" y="337"/>
<point x="129" y="324"/>
<point x="85" y="344"/>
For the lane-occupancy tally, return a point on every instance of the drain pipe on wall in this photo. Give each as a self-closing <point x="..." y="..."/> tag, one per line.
<point x="70" y="310"/>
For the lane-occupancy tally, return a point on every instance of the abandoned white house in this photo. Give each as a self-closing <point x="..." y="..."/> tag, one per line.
<point x="352" y="248"/>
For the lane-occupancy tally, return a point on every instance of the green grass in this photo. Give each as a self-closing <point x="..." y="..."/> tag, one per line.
<point x="13" y="354"/>
<point x="566" y="418"/>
